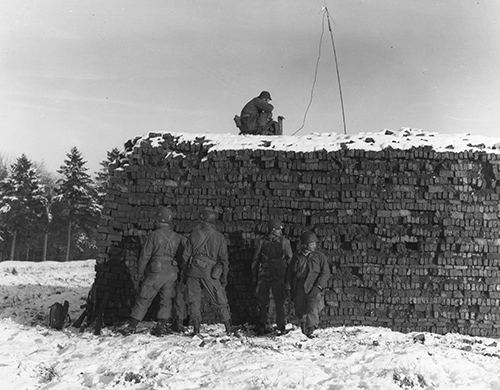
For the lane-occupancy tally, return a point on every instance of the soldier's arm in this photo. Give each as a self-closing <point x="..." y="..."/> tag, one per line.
<point x="224" y="258"/>
<point x="289" y="273"/>
<point x="264" y="106"/>
<point x="324" y="274"/>
<point x="146" y="252"/>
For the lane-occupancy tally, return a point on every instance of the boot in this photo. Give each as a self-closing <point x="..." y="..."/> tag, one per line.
<point x="196" y="327"/>
<point x="130" y="327"/>
<point x="309" y="332"/>
<point x="262" y="329"/>
<point x="228" y="327"/>
<point x="177" y="326"/>
<point x="161" y="328"/>
<point x="303" y="326"/>
<point x="281" y="331"/>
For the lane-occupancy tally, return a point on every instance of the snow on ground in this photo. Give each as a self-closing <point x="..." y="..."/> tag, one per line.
<point x="28" y="289"/>
<point x="404" y="138"/>
<point x="32" y="356"/>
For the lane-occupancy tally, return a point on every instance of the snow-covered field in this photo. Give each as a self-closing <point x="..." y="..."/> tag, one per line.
<point x="32" y="356"/>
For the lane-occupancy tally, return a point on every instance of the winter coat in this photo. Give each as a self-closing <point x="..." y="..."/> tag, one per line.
<point x="315" y="271"/>
<point x="205" y="248"/>
<point x="255" y="114"/>
<point x="159" y="251"/>
<point x="272" y="256"/>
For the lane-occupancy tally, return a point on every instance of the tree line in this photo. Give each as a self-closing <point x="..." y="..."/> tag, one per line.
<point x="47" y="216"/>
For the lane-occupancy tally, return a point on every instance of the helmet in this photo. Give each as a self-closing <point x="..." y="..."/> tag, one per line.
<point x="165" y="214"/>
<point x="308" y="237"/>
<point x="274" y="224"/>
<point x="265" y="95"/>
<point x="209" y="215"/>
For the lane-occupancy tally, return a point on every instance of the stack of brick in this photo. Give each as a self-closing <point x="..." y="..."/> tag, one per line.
<point x="411" y="235"/>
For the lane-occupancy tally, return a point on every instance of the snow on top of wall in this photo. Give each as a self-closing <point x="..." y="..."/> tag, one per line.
<point x="404" y="138"/>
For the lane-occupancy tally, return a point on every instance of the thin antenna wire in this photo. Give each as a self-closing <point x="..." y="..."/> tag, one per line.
<point x="315" y="73"/>
<point x="337" y="68"/>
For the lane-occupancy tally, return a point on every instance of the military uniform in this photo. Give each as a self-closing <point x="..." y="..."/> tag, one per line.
<point x="159" y="266"/>
<point x="180" y="313"/>
<point x="256" y="116"/>
<point x="308" y="276"/>
<point x="207" y="267"/>
<point x="270" y="261"/>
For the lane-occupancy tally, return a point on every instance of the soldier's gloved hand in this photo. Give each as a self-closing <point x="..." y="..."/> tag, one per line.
<point x="223" y="281"/>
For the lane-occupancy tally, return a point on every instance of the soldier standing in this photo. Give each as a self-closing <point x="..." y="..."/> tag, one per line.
<point x="207" y="266"/>
<point x="158" y="268"/>
<point x="308" y="276"/>
<point x="270" y="261"/>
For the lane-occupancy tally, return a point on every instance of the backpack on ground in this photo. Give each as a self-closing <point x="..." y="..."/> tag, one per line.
<point x="58" y="314"/>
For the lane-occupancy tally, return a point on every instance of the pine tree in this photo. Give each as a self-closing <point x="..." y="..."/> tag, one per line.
<point x="4" y="167"/>
<point x="78" y="197"/>
<point x="4" y="171"/>
<point x="22" y="201"/>
<point x="48" y="180"/>
<point x="103" y="175"/>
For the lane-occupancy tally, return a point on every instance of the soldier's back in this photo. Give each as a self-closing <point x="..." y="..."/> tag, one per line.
<point x="166" y="241"/>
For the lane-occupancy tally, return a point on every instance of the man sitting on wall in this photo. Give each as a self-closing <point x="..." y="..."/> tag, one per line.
<point x="257" y="118"/>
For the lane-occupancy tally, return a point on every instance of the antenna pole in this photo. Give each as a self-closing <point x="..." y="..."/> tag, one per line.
<point x="337" y="68"/>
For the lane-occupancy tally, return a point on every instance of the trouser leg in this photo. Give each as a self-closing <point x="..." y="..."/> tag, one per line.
<point x="278" y="288"/>
<point x="263" y="120"/>
<point x="300" y="301"/>
<point x="180" y="313"/>
<point x="167" y="293"/>
<point x="262" y="293"/>
<point x="194" y="298"/>
<point x="149" y="288"/>
<point x="314" y="305"/>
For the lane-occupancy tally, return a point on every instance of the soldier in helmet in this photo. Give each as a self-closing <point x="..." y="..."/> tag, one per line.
<point x="207" y="267"/>
<point x="257" y="118"/>
<point x="158" y="269"/>
<point x="271" y="257"/>
<point x="308" y="276"/>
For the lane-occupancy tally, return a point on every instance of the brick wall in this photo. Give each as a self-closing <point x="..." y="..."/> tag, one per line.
<point x="411" y="235"/>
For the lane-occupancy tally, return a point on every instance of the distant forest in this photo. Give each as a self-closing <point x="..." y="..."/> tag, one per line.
<point x="51" y="216"/>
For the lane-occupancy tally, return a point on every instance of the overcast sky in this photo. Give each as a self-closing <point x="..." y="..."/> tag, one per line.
<point x="95" y="73"/>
